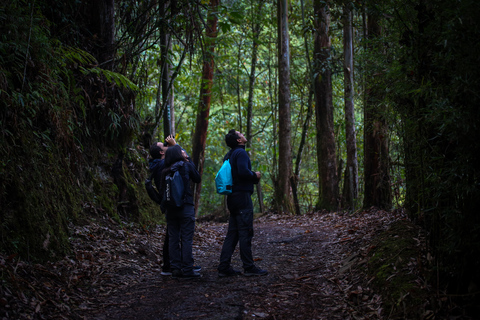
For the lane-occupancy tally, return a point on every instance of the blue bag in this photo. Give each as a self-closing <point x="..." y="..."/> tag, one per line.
<point x="223" y="179"/>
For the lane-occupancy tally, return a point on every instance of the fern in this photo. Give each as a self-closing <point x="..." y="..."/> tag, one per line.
<point x="113" y="77"/>
<point x="75" y="55"/>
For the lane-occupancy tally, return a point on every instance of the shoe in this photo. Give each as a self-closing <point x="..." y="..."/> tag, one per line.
<point x="229" y="273"/>
<point x="197" y="268"/>
<point x="255" y="272"/>
<point x="166" y="273"/>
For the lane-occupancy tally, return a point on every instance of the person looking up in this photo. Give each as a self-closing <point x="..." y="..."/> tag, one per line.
<point x="181" y="221"/>
<point x="239" y="203"/>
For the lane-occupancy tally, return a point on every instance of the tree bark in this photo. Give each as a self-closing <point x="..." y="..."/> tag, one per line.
<point x="200" y="136"/>
<point x="327" y="168"/>
<point x="283" y="198"/>
<point x="351" y="172"/>
<point x="376" y="163"/>
<point x="165" y="45"/>
<point x="306" y="123"/>
<point x="257" y="27"/>
<point x="103" y="26"/>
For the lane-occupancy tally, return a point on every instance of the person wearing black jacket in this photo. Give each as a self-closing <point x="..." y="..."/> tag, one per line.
<point x="239" y="202"/>
<point x="156" y="164"/>
<point x="181" y="221"/>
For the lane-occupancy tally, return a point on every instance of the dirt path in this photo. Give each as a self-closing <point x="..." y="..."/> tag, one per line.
<point x="306" y="258"/>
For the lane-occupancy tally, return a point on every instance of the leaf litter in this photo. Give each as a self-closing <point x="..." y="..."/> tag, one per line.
<point x="317" y="270"/>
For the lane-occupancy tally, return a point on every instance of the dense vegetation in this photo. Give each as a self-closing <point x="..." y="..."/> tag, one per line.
<point x="83" y="95"/>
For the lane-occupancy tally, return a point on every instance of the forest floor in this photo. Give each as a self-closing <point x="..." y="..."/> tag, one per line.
<point x="321" y="266"/>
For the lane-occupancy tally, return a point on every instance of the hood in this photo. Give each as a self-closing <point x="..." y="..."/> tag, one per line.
<point x="154" y="163"/>
<point x="176" y="166"/>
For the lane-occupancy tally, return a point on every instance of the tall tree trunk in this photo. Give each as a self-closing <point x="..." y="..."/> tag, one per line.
<point x="103" y="26"/>
<point x="257" y="27"/>
<point x="165" y="46"/>
<point x="200" y="136"/>
<point x="171" y="104"/>
<point x="238" y="86"/>
<point x="376" y="163"/>
<point x="351" y="172"/>
<point x="327" y="168"/>
<point x="283" y="198"/>
<point x="298" y="159"/>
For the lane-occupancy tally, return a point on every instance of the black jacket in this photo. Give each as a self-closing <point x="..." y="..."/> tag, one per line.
<point x="243" y="176"/>
<point x="156" y="167"/>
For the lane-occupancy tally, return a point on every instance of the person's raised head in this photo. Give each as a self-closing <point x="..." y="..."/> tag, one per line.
<point x="234" y="138"/>
<point x="173" y="154"/>
<point x="157" y="150"/>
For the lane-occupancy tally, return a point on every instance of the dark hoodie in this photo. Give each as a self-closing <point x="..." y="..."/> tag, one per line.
<point x="243" y="176"/>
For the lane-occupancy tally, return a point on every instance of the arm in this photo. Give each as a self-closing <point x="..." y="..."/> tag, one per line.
<point x="243" y="168"/>
<point x="193" y="173"/>
<point x="170" y="140"/>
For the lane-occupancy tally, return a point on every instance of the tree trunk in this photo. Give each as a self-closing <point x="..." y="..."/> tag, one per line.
<point x="306" y="123"/>
<point x="200" y="136"/>
<point x="283" y="198"/>
<point x="351" y="176"/>
<point x="257" y="26"/>
<point x="327" y="168"/>
<point x="165" y="45"/>
<point x="376" y="163"/>
<point x="103" y="26"/>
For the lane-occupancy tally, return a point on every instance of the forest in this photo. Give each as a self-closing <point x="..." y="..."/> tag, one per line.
<point x="347" y="106"/>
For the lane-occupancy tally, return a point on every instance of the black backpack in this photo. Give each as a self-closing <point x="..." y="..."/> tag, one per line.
<point x="174" y="194"/>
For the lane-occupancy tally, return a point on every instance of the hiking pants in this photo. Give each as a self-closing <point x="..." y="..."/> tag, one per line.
<point x="240" y="230"/>
<point x="181" y="226"/>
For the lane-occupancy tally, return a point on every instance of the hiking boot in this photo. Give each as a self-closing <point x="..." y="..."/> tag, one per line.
<point x="197" y="268"/>
<point x="229" y="273"/>
<point x="255" y="272"/>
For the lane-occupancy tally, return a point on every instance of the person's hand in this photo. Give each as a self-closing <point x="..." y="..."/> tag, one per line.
<point x="184" y="154"/>
<point x="170" y="140"/>
<point x="259" y="175"/>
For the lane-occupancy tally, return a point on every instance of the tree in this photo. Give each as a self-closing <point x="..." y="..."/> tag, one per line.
<point x="103" y="26"/>
<point x="203" y="111"/>
<point x="376" y="162"/>
<point x="283" y="199"/>
<point x="351" y="171"/>
<point x="298" y="159"/>
<point x="327" y="168"/>
<point x="256" y="30"/>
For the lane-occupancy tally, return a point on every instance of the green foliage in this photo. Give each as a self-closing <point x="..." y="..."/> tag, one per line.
<point x="49" y="113"/>
<point x="432" y="86"/>
<point x="113" y="77"/>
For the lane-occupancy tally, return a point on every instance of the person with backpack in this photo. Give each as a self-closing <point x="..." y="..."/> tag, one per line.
<point x="156" y="164"/>
<point x="179" y="171"/>
<point x="239" y="202"/>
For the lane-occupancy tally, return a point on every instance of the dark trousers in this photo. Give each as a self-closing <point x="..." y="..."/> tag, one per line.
<point x="181" y="226"/>
<point x="240" y="230"/>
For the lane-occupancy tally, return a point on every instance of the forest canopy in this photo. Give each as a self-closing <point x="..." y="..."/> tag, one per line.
<point x="345" y="105"/>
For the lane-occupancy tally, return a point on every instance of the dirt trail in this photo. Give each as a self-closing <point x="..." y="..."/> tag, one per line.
<point x="306" y="258"/>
